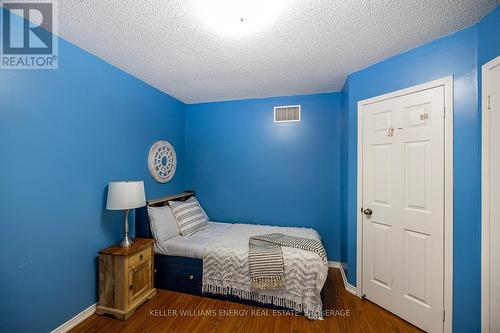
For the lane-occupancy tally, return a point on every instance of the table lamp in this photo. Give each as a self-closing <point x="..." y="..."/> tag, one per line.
<point x="125" y="195"/>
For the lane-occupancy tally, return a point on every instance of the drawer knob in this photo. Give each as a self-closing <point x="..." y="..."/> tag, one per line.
<point x="130" y="287"/>
<point x="141" y="256"/>
<point x="190" y="277"/>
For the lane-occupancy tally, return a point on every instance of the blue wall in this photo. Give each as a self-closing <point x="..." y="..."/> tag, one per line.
<point x="246" y="168"/>
<point x="63" y="135"/>
<point x="456" y="55"/>
<point x="489" y="37"/>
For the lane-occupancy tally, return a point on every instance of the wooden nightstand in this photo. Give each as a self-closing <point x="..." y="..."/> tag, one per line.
<point x="125" y="278"/>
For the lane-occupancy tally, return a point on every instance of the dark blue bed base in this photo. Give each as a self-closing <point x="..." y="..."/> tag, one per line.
<point x="180" y="274"/>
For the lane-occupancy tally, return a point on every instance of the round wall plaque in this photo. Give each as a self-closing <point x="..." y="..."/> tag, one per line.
<point x="162" y="161"/>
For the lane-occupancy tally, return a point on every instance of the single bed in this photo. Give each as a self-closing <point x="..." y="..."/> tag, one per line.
<point x="220" y="251"/>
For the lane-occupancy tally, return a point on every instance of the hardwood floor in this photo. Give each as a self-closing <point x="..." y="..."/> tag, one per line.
<point x="177" y="312"/>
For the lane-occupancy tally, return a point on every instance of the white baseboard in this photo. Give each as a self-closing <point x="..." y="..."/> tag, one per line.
<point x="334" y="264"/>
<point x="76" y="320"/>
<point x="348" y="287"/>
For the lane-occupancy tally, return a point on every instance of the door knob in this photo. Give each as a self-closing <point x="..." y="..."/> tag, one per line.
<point x="368" y="212"/>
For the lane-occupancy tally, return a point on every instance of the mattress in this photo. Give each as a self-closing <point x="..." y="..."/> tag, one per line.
<point x="193" y="246"/>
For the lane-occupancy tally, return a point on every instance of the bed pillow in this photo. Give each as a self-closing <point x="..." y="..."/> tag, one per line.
<point x="163" y="223"/>
<point x="202" y="210"/>
<point x="189" y="216"/>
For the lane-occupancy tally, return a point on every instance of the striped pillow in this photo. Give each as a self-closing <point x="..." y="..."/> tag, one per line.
<point x="189" y="216"/>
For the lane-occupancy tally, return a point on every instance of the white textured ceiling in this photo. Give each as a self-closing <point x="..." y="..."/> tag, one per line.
<point x="309" y="47"/>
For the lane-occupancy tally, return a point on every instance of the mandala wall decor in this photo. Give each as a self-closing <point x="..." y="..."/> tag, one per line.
<point x="162" y="161"/>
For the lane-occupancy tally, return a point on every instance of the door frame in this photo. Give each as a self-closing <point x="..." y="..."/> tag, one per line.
<point x="447" y="83"/>
<point x="485" y="195"/>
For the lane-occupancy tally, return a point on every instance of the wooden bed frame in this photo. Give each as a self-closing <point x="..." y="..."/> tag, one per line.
<point x="181" y="274"/>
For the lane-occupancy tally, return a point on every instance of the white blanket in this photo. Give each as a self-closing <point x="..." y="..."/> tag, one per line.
<point x="226" y="270"/>
<point x="192" y="246"/>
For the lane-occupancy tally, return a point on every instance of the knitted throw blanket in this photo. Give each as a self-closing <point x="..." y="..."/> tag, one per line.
<point x="226" y="270"/>
<point x="265" y="257"/>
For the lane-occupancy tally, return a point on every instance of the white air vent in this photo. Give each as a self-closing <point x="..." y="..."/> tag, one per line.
<point x="284" y="114"/>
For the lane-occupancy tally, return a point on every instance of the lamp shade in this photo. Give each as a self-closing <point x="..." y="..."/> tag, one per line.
<point x="125" y="195"/>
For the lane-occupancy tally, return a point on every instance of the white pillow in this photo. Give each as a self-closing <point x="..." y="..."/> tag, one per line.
<point x="163" y="223"/>
<point x="202" y="210"/>
<point x="189" y="216"/>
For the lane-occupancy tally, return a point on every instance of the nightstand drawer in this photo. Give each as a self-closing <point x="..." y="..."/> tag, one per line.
<point x="140" y="257"/>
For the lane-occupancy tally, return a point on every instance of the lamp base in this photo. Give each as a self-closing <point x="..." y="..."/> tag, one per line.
<point x="126" y="241"/>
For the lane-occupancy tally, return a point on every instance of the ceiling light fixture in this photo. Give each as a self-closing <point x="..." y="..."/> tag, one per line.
<point x="238" y="18"/>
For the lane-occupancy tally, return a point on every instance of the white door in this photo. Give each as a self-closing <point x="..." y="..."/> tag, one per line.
<point x="403" y="203"/>
<point x="491" y="197"/>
